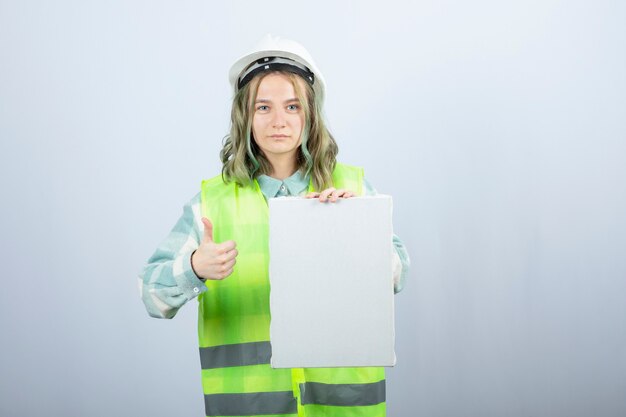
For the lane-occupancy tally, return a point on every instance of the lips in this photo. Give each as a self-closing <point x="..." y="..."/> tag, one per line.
<point x="279" y="136"/>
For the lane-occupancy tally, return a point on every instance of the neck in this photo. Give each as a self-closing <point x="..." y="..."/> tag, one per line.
<point x="283" y="168"/>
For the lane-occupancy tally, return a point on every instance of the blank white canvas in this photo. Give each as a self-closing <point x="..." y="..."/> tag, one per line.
<point x="330" y="269"/>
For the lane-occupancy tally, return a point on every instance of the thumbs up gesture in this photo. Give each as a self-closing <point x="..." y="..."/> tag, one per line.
<point x="213" y="260"/>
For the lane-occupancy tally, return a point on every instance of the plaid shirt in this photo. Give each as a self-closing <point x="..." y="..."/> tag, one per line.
<point x="168" y="281"/>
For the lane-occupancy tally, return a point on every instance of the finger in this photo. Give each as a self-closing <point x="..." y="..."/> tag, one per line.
<point x="312" y="194"/>
<point x="346" y="194"/>
<point x="207" y="237"/>
<point x="225" y="247"/>
<point x="335" y="195"/>
<point x="228" y="256"/>
<point x="228" y="265"/>
<point x="223" y="273"/>
<point x="324" y="194"/>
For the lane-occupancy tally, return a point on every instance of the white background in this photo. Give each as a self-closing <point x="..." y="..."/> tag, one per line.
<point x="499" y="129"/>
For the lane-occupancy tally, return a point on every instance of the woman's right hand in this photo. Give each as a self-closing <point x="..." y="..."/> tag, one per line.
<point x="213" y="260"/>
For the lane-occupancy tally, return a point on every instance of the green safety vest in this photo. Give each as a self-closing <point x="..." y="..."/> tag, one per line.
<point x="234" y="322"/>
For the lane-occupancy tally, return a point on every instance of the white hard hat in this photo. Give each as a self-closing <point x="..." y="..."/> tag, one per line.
<point x="273" y="52"/>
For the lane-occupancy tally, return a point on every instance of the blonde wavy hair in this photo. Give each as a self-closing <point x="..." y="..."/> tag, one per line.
<point x="242" y="159"/>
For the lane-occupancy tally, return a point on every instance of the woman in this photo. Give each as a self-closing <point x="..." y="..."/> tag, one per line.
<point x="278" y="145"/>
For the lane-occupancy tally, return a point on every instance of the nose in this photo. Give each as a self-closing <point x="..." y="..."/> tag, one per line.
<point x="278" y="120"/>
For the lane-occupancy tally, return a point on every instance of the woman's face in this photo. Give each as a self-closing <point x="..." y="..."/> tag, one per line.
<point x="278" y="118"/>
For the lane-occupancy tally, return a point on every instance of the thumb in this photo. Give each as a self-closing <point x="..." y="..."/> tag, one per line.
<point x="208" y="230"/>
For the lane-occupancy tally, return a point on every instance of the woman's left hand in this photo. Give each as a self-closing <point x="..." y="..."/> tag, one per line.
<point x="331" y="195"/>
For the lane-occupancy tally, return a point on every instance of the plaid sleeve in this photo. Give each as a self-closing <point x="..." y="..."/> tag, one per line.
<point x="168" y="281"/>
<point x="401" y="261"/>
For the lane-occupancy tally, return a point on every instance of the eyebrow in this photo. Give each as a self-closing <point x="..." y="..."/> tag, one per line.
<point x="264" y="100"/>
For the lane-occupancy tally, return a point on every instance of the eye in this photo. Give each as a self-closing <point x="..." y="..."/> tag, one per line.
<point x="293" y="107"/>
<point x="262" y="108"/>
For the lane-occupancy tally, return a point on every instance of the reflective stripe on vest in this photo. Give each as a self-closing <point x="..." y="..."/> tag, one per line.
<point x="234" y="316"/>
<point x="343" y="394"/>
<point x="242" y="354"/>
<point x="256" y="403"/>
